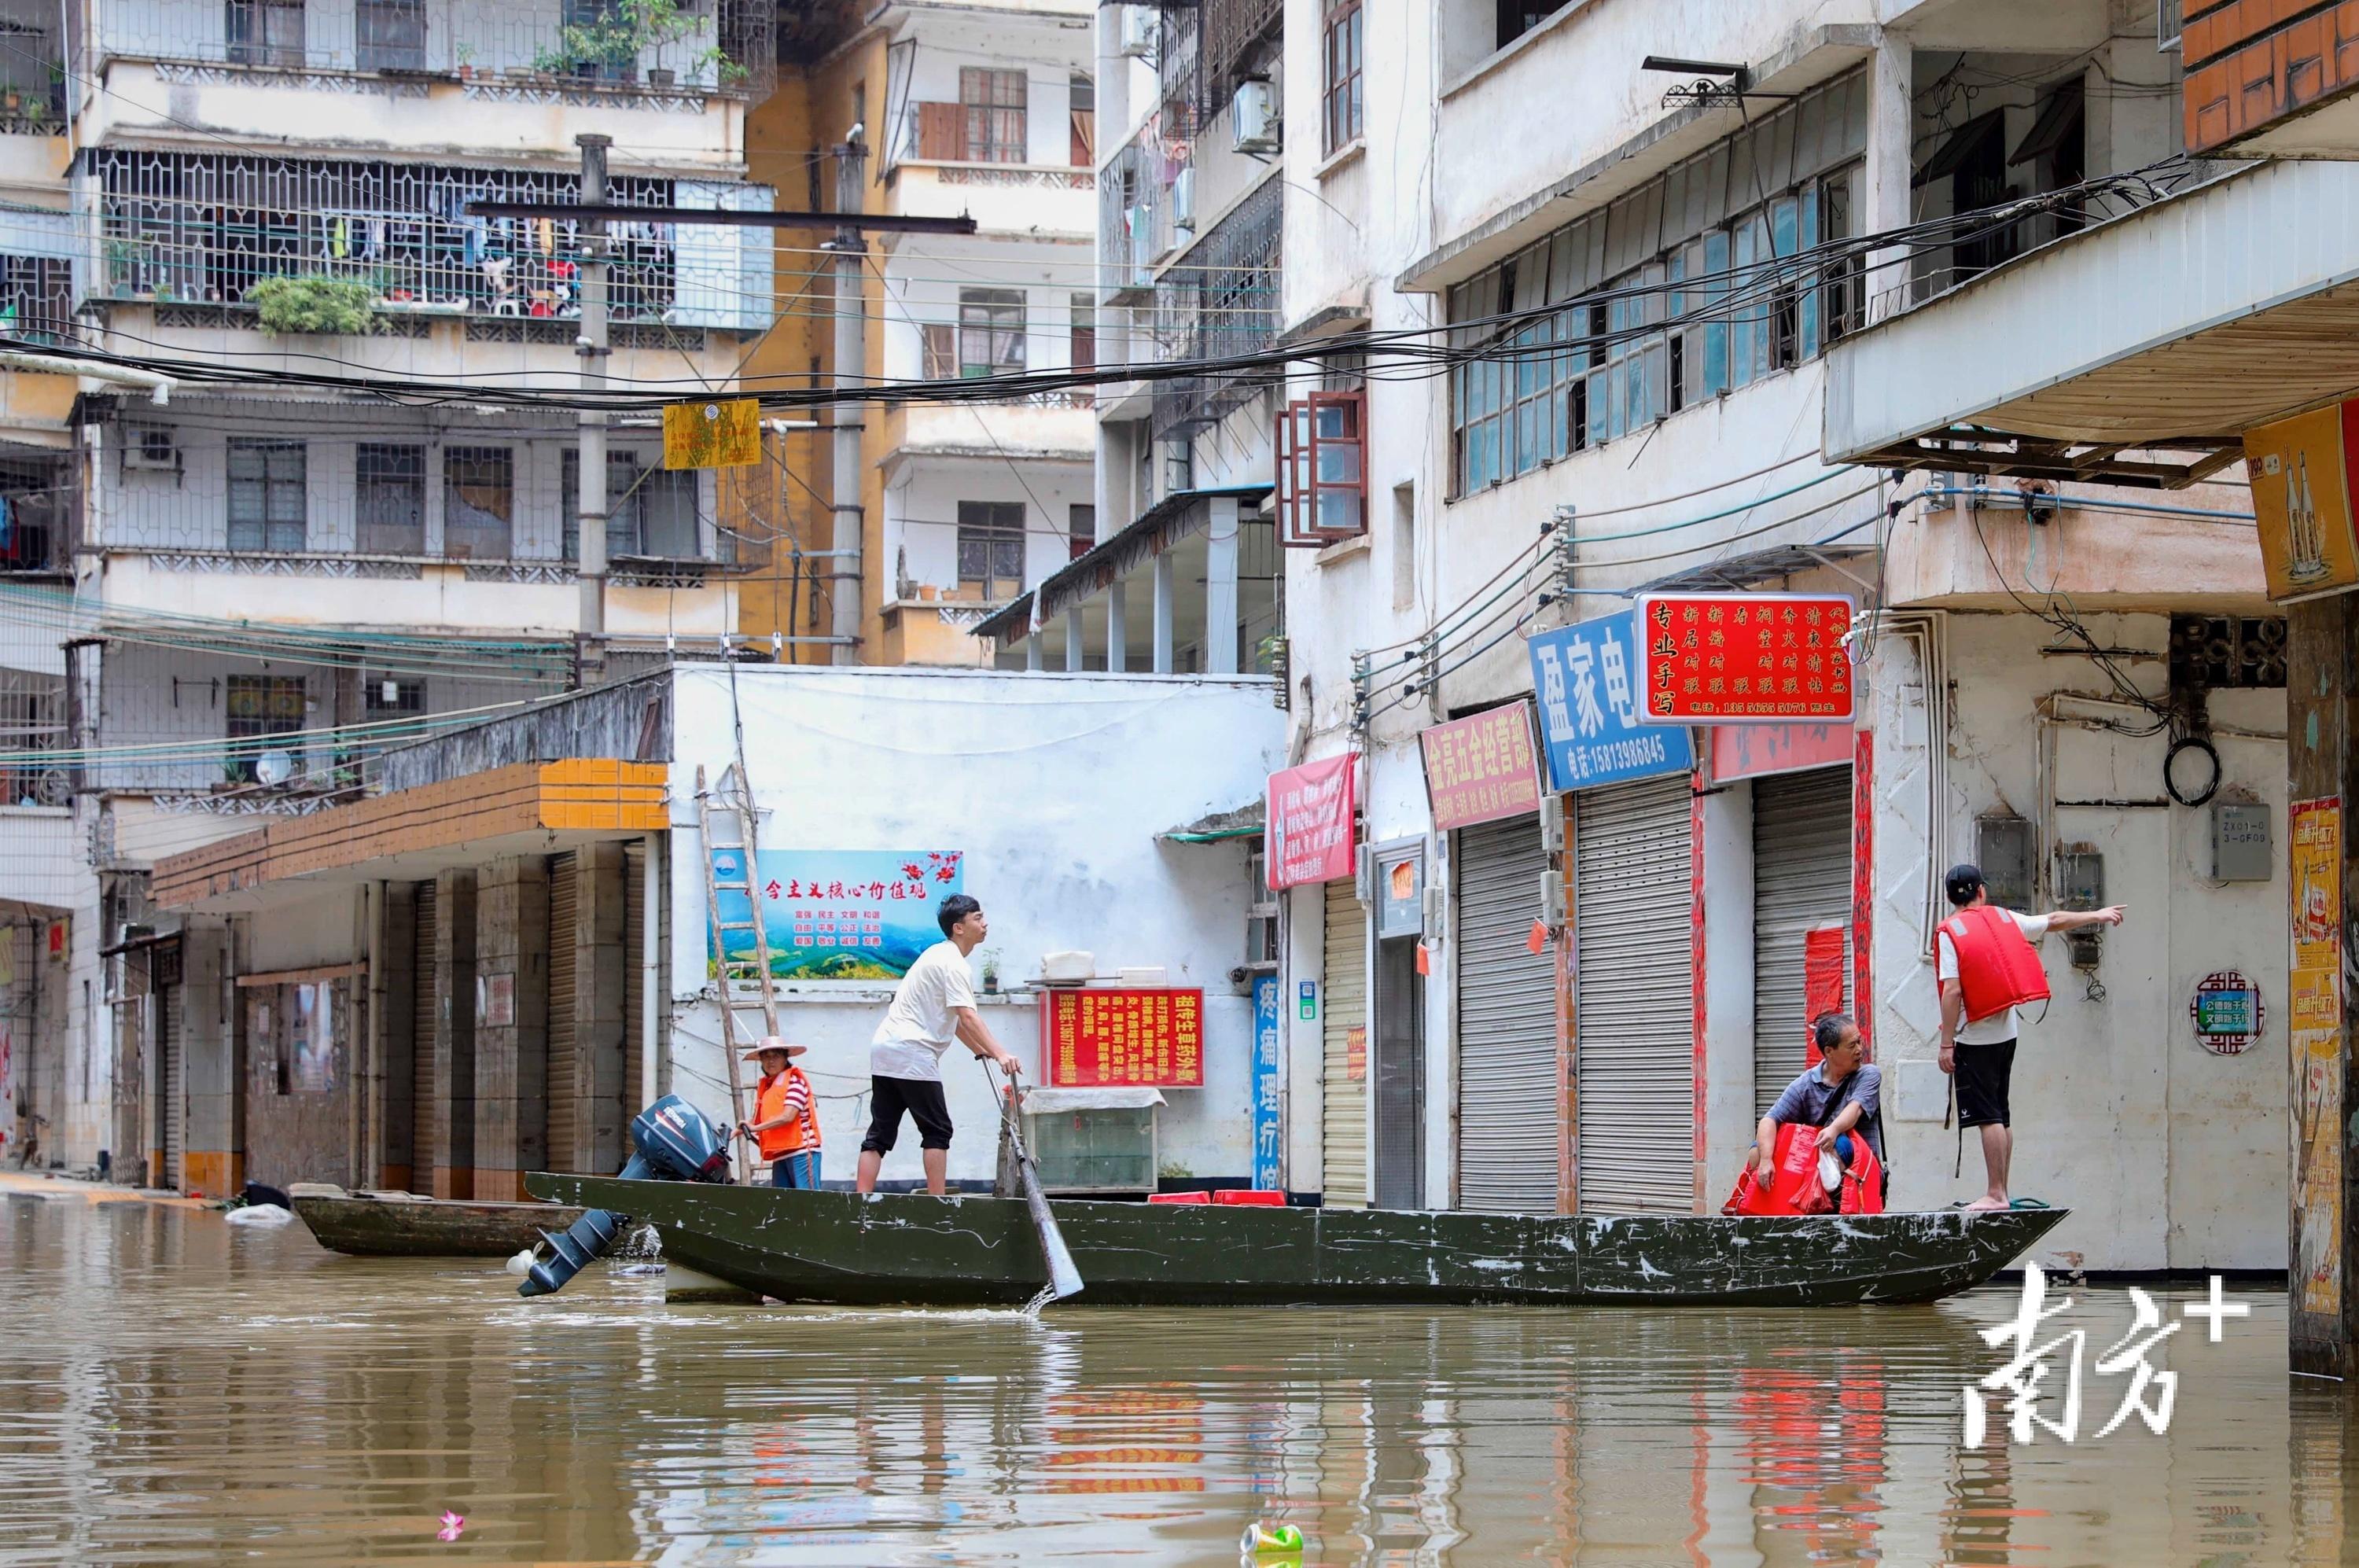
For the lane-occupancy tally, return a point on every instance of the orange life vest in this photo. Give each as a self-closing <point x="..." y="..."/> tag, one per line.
<point x="1997" y="968"/>
<point x="1794" y="1187"/>
<point x="770" y="1103"/>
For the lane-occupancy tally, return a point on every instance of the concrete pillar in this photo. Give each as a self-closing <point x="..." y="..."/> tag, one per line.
<point x="1891" y="130"/>
<point x="1166" y="609"/>
<point x="511" y="1026"/>
<point x="2322" y="767"/>
<point x="1032" y="651"/>
<point x="393" y="994"/>
<point x="600" y="1095"/>
<point x="1118" y="630"/>
<point x="1221" y="588"/>
<point x="1076" y="638"/>
<point x="211" y="1161"/>
<point x="454" y="1035"/>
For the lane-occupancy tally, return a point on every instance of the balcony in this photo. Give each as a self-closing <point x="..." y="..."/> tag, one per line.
<point x="1053" y="426"/>
<point x="1042" y="201"/>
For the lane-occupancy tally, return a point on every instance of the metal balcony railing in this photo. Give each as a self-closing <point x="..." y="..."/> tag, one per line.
<point x="1218" y="300"/>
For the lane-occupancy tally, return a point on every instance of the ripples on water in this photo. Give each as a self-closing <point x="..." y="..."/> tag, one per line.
<point x="172" y="1391"/>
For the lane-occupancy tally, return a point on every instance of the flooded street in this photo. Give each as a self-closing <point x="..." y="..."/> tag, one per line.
<point x="181" y="1390"/>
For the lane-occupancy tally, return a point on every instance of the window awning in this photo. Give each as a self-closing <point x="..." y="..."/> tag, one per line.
<point x="1242" y="821"/>
<point x="2062" y="116"/>
<point x="1964" y="143"/>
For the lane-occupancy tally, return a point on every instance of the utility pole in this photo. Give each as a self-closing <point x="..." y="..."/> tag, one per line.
<point x="851" y="370"/>
<point x="591" y="346"/>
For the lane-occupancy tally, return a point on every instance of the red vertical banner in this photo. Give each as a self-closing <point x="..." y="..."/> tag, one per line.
<point x="1862" y="886"/>
<point x="1823" y="983"/>
<point x="1696" y="972"/>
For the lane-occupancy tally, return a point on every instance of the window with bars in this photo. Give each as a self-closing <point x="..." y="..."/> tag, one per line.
<point x="389" y="35"/>
<point x="478" y="503"/>
<point x="1669" y="296"/>
<point x="991" y="332"/>
<point x="994" y="103"/>
<point x="1322" y="469"/>
<point x="391" y="695"/>
<point x="268" y="510"/>
<point x="991" y="548"/>
<point x="1340" y="89"/>
<point x="651" y="511"/>
<point x="37" y="297"/>
<point x="259" y="706"/>
<point x="389" y="498"/>
<point x="265" y="32"/>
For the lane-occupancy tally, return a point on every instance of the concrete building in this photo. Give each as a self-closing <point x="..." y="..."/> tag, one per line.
<point x="270" y="574"/>
<point x="514" y="934"/>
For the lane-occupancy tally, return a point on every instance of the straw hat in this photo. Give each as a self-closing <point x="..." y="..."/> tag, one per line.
<point x="772" y="1042"/>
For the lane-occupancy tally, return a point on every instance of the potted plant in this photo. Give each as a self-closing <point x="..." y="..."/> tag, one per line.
<point x="466" y="53"/>
<point x="313" y="303"/>
<point x="990" y="971"/>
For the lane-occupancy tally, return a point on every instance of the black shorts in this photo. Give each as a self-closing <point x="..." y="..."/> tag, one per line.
<point x="921" y="1097"/>
<point x="1982" y="1074"/>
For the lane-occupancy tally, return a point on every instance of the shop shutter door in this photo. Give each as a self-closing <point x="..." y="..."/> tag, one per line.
<point x="634" y="926"/>
<point x="174" y="1112"/>
<point x="1507" y="1025"/>
<point x="1801" y="879"/>
<point x="425" y="1110"/>
<point x="1344" y="1099"/>
<point x="561" y="1054"/>
<point x="1633" y="1009"/>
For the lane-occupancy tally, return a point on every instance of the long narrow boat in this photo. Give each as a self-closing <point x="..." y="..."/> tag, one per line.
<point x="403" y="1225"/>
<point x="909" y="1248"/>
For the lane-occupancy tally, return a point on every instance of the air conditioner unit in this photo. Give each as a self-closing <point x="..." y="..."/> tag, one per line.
<point x="1183" y="201"/>
<point x="151" y="447"/>
<point x="1253" y="117"/>
<point x="1138" y="32"/>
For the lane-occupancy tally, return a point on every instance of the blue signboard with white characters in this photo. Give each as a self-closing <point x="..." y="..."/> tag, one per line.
<point x="1265" y="1070"/>
<point x="1586" y="676"/>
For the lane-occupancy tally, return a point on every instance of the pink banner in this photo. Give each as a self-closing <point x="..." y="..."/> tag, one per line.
<point x="1480" y="769"/>
<point x="1309" y="834"/>
<point x="1748" y="751"/>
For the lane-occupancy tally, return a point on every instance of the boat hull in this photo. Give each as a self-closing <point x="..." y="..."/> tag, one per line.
<point x="913" y="1249"/>
<point x="366" y="1226"/>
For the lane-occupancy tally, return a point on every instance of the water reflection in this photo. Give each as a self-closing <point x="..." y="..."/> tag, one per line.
<point x="179" y="1392"/>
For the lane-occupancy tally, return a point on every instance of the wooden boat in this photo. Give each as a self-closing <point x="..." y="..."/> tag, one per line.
<point x="909" y="1248"/>
<point x="403" y="1225"/>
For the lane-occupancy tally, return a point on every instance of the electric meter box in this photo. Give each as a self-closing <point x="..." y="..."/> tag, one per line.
<point x="2241" y="850"/>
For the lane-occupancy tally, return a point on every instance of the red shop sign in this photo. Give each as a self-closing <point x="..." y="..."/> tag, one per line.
<point x="1745" y="659"/>
<point x="1137" y="1036"/>
<point x="1307" y="836"/>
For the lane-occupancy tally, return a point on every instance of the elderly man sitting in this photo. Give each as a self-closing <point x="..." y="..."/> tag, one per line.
<point x="1839" y="1095"/>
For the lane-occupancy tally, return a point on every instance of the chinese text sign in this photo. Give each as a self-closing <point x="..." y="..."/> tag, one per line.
<point x="1480" y="769"/>
<point x="1268" y="1064"/>
<point x="2316" y="988"/>
<point x="1587" y="677"/>
<point x="862" y="914"/>
<point x="1308" y="833"/>
<point x="1135" y="1037"/>
<point x="1735" y="659"/>
<point x="726" y="434"/>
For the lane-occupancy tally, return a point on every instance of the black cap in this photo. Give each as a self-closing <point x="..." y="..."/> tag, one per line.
<point x="1964" y="880"/>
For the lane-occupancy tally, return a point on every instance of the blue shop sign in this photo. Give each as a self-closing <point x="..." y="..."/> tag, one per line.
<point x="1586" y="676"/>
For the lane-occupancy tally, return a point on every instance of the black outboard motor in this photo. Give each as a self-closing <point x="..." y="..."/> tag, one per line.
<point x="676" y="1142"/>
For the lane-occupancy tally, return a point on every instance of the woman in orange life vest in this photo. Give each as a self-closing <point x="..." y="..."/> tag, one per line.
<point x="786" y="1119"/>
<point x="1983" y="958"/>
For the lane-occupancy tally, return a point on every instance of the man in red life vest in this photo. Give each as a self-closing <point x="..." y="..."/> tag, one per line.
<point x="1983" y="958"/>
<point x="786" y="1118"/>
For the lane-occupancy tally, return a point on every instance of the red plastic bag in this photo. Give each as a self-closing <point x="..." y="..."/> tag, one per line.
<point x="1794" y="1187"/>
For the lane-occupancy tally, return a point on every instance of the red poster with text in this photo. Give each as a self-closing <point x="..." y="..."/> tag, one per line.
<point x="1306" y="835"/>
<point x="1743" y="659"/>
<point x="1138" y="1037"/>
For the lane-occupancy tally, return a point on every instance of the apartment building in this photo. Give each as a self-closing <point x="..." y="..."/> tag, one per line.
<point x="272" y="569"/>
<point x="899" y="540"/>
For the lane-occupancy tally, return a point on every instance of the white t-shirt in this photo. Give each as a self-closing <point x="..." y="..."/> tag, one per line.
<point x="923" y="1021"/>
<point x="2000" y="1026"/>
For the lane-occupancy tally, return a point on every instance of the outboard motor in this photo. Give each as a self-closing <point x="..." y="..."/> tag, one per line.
<point x="676" y="1142"/>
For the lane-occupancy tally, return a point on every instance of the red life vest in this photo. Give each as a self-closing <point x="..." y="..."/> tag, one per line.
<point x="1794" y="1187"/>
<point x="1997" y="967"/>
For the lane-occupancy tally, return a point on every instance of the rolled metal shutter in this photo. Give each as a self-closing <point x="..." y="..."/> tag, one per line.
<point x="562" y="884"/>
<point x="425" y="987"/>
<point x="635" y="927"/>
<point x="1344" y="1099"/>
<point x="1634" y="999"/>
<point x="173" y="1113"/>
<point x="1507" y="1024"/>
<point x="1801" y="879"/>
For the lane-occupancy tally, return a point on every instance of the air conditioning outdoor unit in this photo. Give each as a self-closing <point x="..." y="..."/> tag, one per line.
<point x="151" y="447"/>
<point x="1137" y="33"/>
<point x="1253" y="117"/>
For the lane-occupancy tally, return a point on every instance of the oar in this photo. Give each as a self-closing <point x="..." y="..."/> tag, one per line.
<point x="1064" y="1280"/>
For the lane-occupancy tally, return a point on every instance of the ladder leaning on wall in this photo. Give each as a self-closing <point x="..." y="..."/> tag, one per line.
<point x="730" y="809"/>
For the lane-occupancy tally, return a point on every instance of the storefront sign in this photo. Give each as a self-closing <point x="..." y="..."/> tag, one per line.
<point x="1752" y="751"/>
<point x="1480" y="769"/>
<point x="2227" y="1013"/>
<point x="1135" y="1037"/>
<point x="1355" y="1054"/>
<point x="839" y="914"/>
<point x="2315" y="838"/>
<point x="1266" y="1071"/>
<point x="2300" y="470"/>
<point x="1741" y="658"/>
<point x="1587" y="677"/>
<point x="1308" y="835"/>
<point x="723" y="434"/>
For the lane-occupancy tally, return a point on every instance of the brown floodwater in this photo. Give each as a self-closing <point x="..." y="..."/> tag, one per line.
<point x="175" y="1389"/>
